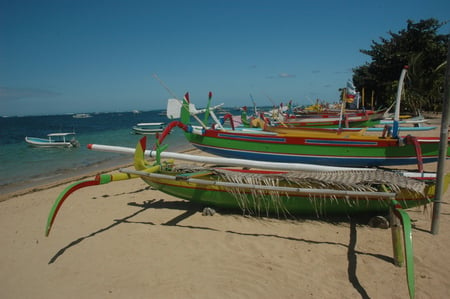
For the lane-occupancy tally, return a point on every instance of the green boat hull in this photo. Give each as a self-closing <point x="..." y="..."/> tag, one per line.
<point x="276" y="203"/>
<point x="351" y="152"/>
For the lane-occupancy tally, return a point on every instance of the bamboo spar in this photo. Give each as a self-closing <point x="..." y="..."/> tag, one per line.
<point x="399" y="93"/>
<point x="227" y="161"/>
<point x="245" y="163"/>
<point x="442" y="148"/>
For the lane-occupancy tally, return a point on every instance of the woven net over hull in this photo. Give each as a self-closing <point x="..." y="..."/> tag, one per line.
<point x="260" y="200"/>
<point x="340" y="180"/>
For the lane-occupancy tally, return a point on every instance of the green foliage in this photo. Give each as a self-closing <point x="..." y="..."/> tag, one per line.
<point x="425" y="52"/>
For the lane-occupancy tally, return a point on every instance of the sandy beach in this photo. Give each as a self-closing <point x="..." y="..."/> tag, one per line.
<point x="123" y="240"/>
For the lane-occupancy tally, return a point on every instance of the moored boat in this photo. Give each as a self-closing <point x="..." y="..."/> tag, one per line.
<point x="263" y="192"/>
<point x="336" y="121"/>
<point x="308" y="146"/>
<point x="54" y="140"/>
<point x="81" y="115"/>
<point x="148" y="128"/>
<point x="260" y="191"/>
<point x="289" y="192"/>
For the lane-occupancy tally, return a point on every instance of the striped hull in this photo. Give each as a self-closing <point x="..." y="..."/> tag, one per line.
<point x="364" y="151"/>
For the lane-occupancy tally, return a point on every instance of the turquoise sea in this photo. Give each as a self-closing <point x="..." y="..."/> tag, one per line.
<point x="23" y="166"/>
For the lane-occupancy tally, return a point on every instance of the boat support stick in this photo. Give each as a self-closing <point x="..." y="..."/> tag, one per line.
<point x="397" y="102"/>
<point x="400" y="214"/>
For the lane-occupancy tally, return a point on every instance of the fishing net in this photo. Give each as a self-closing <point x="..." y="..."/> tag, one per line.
<point x="262" y="199"/>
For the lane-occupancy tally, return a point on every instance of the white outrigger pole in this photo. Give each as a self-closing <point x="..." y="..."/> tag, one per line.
<point x="244" y="162"/>
<point x="225" y="161"/>
<point x="395" y="129"/>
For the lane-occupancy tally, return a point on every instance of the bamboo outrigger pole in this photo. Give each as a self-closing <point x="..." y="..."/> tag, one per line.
<point x="372" y="99"/>
<point x="442" y="149"/>
<point x="225" y="161"/>
<point x="397" y="102"/>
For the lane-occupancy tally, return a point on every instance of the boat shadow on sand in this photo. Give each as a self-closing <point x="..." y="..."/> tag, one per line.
<point x="188" y="209"/>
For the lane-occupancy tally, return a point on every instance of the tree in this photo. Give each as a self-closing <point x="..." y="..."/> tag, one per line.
<point x="421" y="48"/>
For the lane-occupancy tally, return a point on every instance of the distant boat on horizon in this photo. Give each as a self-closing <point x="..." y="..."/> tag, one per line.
<point x="81" y="115"/>
<point x="148" y="128"/>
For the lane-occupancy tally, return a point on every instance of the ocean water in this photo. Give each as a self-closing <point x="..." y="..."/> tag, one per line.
<point x="23" y="166"/>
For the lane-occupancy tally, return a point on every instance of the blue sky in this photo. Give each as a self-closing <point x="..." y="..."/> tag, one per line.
<point x="66" y="56"/>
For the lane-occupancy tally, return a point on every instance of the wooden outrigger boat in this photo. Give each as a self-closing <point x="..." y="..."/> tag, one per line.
<point x="341" y="148"/>
<point x="332" y="113"/>
<point x="326" y="191"/>
<point x="312" y="146"/>
<point x="262" y="192"/>
<point x="269" y="191"/>
<point x="335" y="121"/>
<point x="277" y="191"/>
<point x="400" y="128"/>
<point x="259" y="124"/>
<point x="373" y="122"/>
<point x="386" y="130"/>
<point x="349" y="120"/>
<point x="353" y="121"/>
<point x="333" y="125"/>
<point x="339" y="119"/>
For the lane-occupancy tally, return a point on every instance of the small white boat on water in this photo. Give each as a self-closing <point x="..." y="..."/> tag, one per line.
<point x="81" y="115"/>
<point x="54" y="140"/>
<point x="148" y="128"/>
